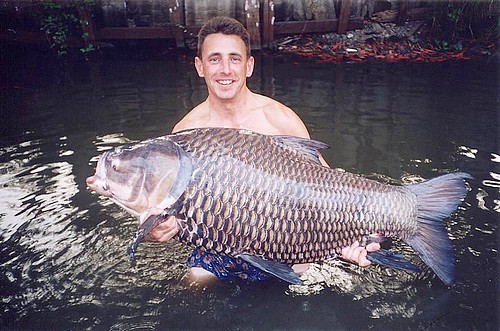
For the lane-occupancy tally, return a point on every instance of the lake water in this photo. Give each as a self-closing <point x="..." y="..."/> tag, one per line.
<point x="63" y="264"/>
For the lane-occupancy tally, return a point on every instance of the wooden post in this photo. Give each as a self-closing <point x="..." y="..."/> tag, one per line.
<point x="177" y="21"/>
<point x="344" y="15"/>
<point x="268" y="24"/>
<point x="403" y="11"/>
<point x="252" y="22"/>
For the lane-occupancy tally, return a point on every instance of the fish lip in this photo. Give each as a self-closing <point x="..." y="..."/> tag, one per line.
<point x="99" y="185"/>
<point x="98" y="182"/>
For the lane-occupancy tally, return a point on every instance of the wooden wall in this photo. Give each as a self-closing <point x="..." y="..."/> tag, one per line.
<point x="181" y="19"/>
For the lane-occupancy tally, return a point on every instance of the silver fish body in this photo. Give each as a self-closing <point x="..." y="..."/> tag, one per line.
<point x="268" y="198"/>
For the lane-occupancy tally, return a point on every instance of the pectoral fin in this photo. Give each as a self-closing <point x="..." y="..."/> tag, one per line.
<point x="147" y="225"/>
<point x="390" y="259"/>
<point x="277" y="269"/>
<point x="150" y="218"/>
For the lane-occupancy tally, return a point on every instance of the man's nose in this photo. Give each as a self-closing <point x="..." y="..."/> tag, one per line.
<point x="225" y="66"/>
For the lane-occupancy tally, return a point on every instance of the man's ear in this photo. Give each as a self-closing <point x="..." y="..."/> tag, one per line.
<point x="199" y="66"/>
<point x="250" y="66"/>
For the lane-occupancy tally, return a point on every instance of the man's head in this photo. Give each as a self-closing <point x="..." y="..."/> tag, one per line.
<point x="224" y="25"/>
<point x="224" y="59"/>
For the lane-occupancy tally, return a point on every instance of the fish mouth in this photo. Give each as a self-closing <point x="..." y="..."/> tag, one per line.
<point x="99" y="185"/>
<point x="98" y="182"/>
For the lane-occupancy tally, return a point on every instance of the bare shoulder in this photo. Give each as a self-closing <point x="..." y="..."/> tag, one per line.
<point x="196" y="118"/>
<point x="283" y="118"/>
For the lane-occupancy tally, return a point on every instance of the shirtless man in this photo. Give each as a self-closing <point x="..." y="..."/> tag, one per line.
<point x="224" y="61"/>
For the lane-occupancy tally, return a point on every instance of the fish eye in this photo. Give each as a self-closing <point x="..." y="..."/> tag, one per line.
<point x="115" y="165"/>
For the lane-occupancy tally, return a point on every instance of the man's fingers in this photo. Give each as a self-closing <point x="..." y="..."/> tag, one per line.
<point x="372" y="247"/>
<point x="171" y="232"/>
<point x="164" y="231"/>
<point x="357" y="254"/>
<point x="362" y="260"/>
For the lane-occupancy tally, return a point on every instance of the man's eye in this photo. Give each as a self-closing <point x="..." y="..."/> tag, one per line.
<point x="214" y="60"/>
<point x="236" y="59"/>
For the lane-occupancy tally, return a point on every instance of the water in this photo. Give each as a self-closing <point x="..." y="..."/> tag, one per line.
<point x="63" y="264"/>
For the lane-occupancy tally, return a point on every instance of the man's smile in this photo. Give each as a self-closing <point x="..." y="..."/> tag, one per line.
<point x="224" y="81"/>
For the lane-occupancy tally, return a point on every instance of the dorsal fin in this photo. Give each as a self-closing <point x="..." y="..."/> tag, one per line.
<point x="306" y="147"/>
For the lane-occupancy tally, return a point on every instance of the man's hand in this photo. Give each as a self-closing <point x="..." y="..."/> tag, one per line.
<point x="357" y="254"/>
<point x="164" y="231"/>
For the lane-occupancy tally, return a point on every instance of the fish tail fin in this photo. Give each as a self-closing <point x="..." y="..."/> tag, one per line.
<point x="437" y="199"/>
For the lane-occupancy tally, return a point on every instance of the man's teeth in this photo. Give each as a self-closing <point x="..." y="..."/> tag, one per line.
<point x="225" y="82"/>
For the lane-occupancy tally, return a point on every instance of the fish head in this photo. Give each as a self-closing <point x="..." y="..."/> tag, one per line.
<point x="138" y="177"/>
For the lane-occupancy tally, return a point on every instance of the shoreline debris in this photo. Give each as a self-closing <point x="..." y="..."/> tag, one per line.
<point x="389" y="42"/>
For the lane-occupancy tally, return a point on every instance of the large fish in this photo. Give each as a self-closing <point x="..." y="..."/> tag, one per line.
<point x="269" y="201"/>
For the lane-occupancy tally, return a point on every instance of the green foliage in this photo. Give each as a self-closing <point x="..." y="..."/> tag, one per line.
<point x="454" y="13"/>
<point x="60" y="21"/>
<point x="456" y="20"/>
<point x="89" y="49"/>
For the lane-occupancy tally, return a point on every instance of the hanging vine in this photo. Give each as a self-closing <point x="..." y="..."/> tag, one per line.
<point x="61" y="23"/>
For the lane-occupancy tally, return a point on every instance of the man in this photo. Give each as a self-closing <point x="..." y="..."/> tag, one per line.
<point x="224" y="61"/>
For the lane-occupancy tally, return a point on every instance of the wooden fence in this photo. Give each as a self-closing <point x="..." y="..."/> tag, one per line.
<point x="178" y="20"/>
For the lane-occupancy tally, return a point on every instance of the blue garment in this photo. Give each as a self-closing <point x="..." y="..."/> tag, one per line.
<point x="224" y="266"/>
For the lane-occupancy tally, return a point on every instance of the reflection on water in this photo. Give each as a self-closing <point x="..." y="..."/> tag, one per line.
<point x="63" y="263"/>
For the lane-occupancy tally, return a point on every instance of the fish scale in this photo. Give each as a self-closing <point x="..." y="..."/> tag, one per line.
<point x="269" y="201"/>
<point x="253" y="185"/>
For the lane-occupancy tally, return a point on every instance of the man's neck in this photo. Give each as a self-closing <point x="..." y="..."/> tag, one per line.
<point x="231" y="109"/>
<point x="231" y="113"/>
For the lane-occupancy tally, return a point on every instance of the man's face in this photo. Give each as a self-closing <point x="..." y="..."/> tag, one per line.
<point x="224" y="65"/>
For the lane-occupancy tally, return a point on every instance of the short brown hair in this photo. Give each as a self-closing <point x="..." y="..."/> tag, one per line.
<point x="225" y="25"/>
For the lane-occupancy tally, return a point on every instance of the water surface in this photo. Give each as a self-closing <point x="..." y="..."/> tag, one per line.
<point x="63" y="263"/>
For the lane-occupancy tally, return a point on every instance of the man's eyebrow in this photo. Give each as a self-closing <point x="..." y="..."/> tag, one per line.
<point x="214" y="54"/>
<point x="220" y="54"/>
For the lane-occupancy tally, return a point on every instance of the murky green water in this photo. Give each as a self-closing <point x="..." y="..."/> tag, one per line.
<point x="63" y="264"/>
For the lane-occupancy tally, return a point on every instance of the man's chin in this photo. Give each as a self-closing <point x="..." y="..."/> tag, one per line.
<point x="226" y="95"/>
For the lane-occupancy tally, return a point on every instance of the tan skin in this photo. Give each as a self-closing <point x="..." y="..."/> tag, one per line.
<point x="225" y="67"/>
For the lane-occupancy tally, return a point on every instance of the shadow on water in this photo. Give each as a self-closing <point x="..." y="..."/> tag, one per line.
<point x="63" y="263"/>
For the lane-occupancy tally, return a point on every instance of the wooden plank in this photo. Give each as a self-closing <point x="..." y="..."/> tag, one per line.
<point x="198" y="12"/>
<point x="28" y="37"/>
<point x="291" y="27"/>
<point x="331" y="25"/>
<point x="34" y="37"/>
<point x="344" y="16"/>
<point x="252" y="9"/>
<point x="192" y="31"/>
<point x="267" y="24"/>
<point x="177" y="20"/>
<point x="136" y="33"/>
<point x="403" y="9"/>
